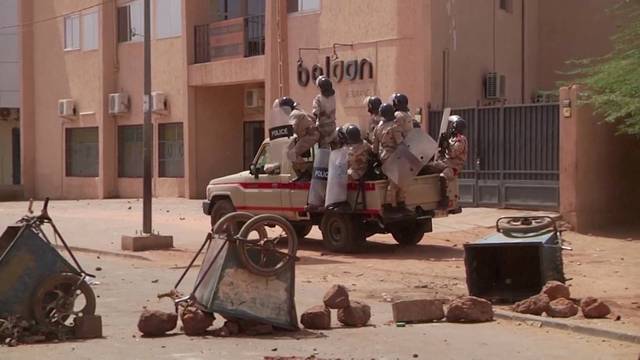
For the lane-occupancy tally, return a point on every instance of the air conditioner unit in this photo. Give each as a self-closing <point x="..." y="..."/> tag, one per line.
<point x="254" y="98"/>
<point x="494" y="86"/>
<point x="66" y="108"/>
<point x="158" y="102"/>
<point x="118" y="103"/>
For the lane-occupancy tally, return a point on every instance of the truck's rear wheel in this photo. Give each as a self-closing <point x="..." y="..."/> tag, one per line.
<point x="302" y="229"/>
<point x="410" y="234"/>
<point x="341" y="232"/>
<point x="221" y="207"/>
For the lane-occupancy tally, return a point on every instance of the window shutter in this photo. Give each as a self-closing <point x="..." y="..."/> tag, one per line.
<point x="124" y="24"/>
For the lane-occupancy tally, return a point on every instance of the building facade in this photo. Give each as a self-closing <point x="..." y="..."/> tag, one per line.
<point x="9" y="101"/>
<point x="217" y="66"/>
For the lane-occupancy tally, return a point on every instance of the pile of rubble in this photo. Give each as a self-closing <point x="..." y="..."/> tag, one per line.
<point x="15" y="331"/>
<point x="555" y="300"/>
<point x="466" y="309"/>
<point x="350" y="312"/>
<point x="195" y="322"/>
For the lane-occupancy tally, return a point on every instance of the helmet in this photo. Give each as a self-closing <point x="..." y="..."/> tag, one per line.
<point x="286" y="101"/>
<point x="400" y="102"/>
<point x="387" y="112"/>
<point x="373" y="105"/>
<point x="341" y="136"/>
<point x="325" y="85"/>
<point x="457" y="125"/>
<point x="353" y="134"/>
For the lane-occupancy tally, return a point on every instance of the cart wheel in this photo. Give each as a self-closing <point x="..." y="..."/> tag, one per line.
<point x="60" y="299"/>
<point x="231" y="224"/>
<point x="524" y="225"/>
<point x="267" y="253"/>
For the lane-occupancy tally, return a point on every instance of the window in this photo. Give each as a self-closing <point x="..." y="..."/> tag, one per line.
<point x="303" y="5"/>
<point x="90" y="31"/>
<point x="131" y="22"/>
<point x="506" y="5"/>
<point x="130" y="152"/>
<point x="170" y="150"/>
<point x="72" y="32"/>
<point x="228" y="9"/>
<point x="168" y="18"/>
<point x="82" y="152"/>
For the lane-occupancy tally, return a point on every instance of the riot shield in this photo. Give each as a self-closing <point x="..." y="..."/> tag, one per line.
<point x="401" y="166"/>
<point x="280" y="126"/>
<point x="338" y="179"/>
<point x="318" y="187"/>
<point x="421" y="145"/>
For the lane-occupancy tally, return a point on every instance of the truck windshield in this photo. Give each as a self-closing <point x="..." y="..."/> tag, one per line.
<point x="263" y="156"/>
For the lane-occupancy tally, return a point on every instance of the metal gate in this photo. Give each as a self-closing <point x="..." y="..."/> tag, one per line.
<point x="513" y="155"/>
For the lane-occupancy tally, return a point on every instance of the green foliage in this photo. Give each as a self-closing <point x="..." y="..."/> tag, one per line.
<point x="612" y="82"/>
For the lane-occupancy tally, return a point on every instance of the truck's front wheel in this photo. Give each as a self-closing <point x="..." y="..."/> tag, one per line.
<point x="410" y="234"/>
<point x="341" y="232"/>
<point x="221" y="207"/>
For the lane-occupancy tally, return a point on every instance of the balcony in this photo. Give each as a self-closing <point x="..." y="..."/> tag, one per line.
<point x="229" y="39"/>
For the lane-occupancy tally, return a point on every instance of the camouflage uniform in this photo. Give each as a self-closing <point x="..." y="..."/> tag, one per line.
<point x="358" y="160"/>
<point x="453" y="162"/>
<point x="404" y="119"/>
<point x="324" y="109"/>
<point x="374" y="121"/>
<point x="388" y="136"/>
<point x="306" y="135"/>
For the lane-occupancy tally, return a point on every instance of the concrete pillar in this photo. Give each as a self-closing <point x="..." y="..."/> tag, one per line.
<point x="27" y="114"/>
<point x="107" y="124"/>
<point x="276" y="58"/>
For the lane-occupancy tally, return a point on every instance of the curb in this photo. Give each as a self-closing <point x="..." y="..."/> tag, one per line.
<point x="104" y="253"/>
<point x="564" y="325"/>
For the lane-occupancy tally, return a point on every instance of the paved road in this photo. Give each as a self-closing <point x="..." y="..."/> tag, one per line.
<point x="127" y="285"/>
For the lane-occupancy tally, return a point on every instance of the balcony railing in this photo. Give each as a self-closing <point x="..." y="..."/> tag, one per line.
<point x="228" y="39"/>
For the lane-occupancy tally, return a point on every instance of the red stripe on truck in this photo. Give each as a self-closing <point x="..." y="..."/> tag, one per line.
<point x="299" y="185"/>
<point x="293" y="209"/>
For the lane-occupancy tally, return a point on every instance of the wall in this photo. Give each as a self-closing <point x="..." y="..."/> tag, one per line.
<point x="599" y="171"/>
<point x="9" y="56"/>
<point x="571" y="30"/>
<point x="219" y="140"/>
<point x="393" y="37"/>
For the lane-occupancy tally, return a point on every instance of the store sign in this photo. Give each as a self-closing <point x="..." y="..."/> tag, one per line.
<point x="337" y="70"/>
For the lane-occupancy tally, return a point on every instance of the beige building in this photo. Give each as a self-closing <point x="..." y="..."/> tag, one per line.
<point x="218" y="65"/>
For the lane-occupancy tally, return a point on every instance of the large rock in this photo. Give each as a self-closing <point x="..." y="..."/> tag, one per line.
<point x="423" y="310"/>
<point x="317" y="317"/>
<point x="337" y="297"/>
<point x="195" y="321"/>
<point x="562" y="308"/>
<point x="156" y="323"/>
<point x="556" y="290"/>
<point x="593" y="308"/>
<point x="535" y="305"/>
<point x="357" y="314"/>
<point x="469" y="309"/>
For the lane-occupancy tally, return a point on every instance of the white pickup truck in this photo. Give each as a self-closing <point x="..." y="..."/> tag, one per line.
<point x="267" y="188"/>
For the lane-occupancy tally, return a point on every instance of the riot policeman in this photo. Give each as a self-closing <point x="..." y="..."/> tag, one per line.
<point x="324" y="111"/>
<point x="388" y="136"/>
<point x="373" y="108"/>
<point x="404" y="117"/>
<point x="359" y="153"/>
<point x="452" y="155"/>
<point x="305" y="135"/>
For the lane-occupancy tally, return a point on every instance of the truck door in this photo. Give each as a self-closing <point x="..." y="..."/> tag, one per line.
<point x="264" y="195"/>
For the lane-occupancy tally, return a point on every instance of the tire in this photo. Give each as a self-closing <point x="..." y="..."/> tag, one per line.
<point x="341" y="232"/>
<point x="54" y="302"/>
<point x="524" y="225"/>
<point x="302" y="229"/>
<point x="221" y="207"/>
<point x="409" y="235"/>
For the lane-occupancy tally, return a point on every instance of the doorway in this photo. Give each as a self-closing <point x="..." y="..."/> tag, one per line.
<point x="253" y="138"/>
<point x="15" y="155"/>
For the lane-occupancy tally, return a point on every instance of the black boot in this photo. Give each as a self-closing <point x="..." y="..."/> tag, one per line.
<point x="402" y="208"/>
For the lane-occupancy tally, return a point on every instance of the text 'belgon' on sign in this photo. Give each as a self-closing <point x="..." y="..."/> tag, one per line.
<point x="337" y="70"/>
